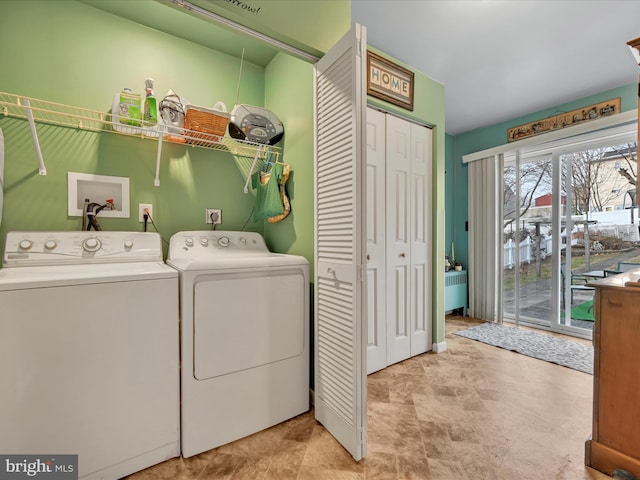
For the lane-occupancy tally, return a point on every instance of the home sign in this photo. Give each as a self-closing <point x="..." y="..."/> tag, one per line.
<point x="389" y="82"/>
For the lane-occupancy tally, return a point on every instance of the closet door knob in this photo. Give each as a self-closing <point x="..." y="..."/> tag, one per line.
<point x="368" y="257"/>
<point x="402" y="255"/>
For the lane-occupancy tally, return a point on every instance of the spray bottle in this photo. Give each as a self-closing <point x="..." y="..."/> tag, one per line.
<point x="150" y="106"/>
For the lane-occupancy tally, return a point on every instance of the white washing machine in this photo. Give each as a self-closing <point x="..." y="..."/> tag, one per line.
<point x="89" y="350"/>
<point x="244" y="323"/>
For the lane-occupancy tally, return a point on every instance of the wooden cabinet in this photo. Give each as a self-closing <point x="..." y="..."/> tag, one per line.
<point x="615" y="439"/>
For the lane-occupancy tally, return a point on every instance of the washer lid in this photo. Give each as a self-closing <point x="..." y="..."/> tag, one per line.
<point x="65" y="275"/>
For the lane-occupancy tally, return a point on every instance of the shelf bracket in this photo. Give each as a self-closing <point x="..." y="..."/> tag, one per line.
<point x="255" y="160"/>
<point x="34" y="134"/>
<point x="156" y="181"/>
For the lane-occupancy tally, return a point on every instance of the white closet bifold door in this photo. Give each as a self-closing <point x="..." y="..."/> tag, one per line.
<point x="398" y="208"/>
<point x="399" y="199"/>
<point x="376" y="231"/>
<point x="420" y="239"/>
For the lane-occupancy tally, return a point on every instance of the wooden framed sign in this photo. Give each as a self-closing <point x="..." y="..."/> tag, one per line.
<point x="567" y="119"/>
<point x="389" y="82"/>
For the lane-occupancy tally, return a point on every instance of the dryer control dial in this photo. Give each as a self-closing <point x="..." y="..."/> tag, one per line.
<point x="91" y="245"/>
<point x="224" y="241"/>
<point x="204" y="241"/>
<point x="128" y="244"/>
<point x="188" y="242"/>
<point x="25" y="244"/>
<point x="50" y="244"/>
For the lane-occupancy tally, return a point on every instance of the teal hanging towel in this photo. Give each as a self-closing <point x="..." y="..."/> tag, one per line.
<point x="268" y="201"/>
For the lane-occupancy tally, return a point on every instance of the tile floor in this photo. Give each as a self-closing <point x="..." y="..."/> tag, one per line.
<point x="472" y="412"/>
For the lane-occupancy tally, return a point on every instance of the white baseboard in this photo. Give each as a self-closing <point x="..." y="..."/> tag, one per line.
<point x="439" y="347"/>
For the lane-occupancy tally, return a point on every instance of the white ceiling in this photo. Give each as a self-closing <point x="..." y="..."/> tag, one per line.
<point x="499" y="60"/>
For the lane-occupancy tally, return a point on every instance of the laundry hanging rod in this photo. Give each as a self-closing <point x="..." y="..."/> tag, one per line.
<point x="209" y="15"/>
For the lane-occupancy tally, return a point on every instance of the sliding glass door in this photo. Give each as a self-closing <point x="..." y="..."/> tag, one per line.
<point x="540" y="222"/>
<point x="569" y="217"/>
<point x="528" y="247"/>
<point x="576" y="316"/>
<point x="602" y="231"/>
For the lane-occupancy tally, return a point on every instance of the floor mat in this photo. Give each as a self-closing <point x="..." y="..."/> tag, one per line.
<point x="545" y="347"/>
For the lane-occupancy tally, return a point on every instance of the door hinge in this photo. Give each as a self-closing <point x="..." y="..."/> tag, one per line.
<point x="363" y="438"/>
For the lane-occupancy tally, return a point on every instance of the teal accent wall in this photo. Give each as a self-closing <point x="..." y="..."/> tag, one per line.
<point x="496" y="135"/>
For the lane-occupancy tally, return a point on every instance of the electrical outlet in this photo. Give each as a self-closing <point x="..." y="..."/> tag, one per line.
<point x="209" y="211"/>
<point x="141" y="210"/>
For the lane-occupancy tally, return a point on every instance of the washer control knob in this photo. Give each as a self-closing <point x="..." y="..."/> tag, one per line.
<point x="224" y="241"/>
<point x="91" y="244"/>
<point x="25" y="244"/>
<point x="50" y="244"/>
<point x="243" y="241"/>
<point x="204" y="241"/>
<point x="188" y="242"/>
<point x="128" y="244"/>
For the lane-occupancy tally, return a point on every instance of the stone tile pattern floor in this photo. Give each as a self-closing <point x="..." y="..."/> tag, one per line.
<point x="472" y="412"/>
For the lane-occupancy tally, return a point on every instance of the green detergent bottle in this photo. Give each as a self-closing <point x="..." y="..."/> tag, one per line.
<point x="126" y="110"/>
<point x="150" y="105"/>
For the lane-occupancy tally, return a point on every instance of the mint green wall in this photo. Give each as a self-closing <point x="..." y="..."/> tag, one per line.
<point x="289" y="89"/>
<point x="429" y="109"/>
<point x="495" y="135"/>
<point x="79" y="55"/>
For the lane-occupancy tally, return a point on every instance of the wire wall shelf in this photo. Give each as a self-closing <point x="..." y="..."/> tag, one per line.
<point x="34" y="110"/>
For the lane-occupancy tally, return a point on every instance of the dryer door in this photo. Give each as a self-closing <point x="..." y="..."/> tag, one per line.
<point x="246" y="319"/>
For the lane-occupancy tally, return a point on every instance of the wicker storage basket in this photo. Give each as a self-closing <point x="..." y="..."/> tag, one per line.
<point x="205" y="125"/>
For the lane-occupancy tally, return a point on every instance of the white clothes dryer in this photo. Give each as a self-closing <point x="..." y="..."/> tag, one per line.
<point x="244" y="322"/>
<point x="89" y="350"/>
